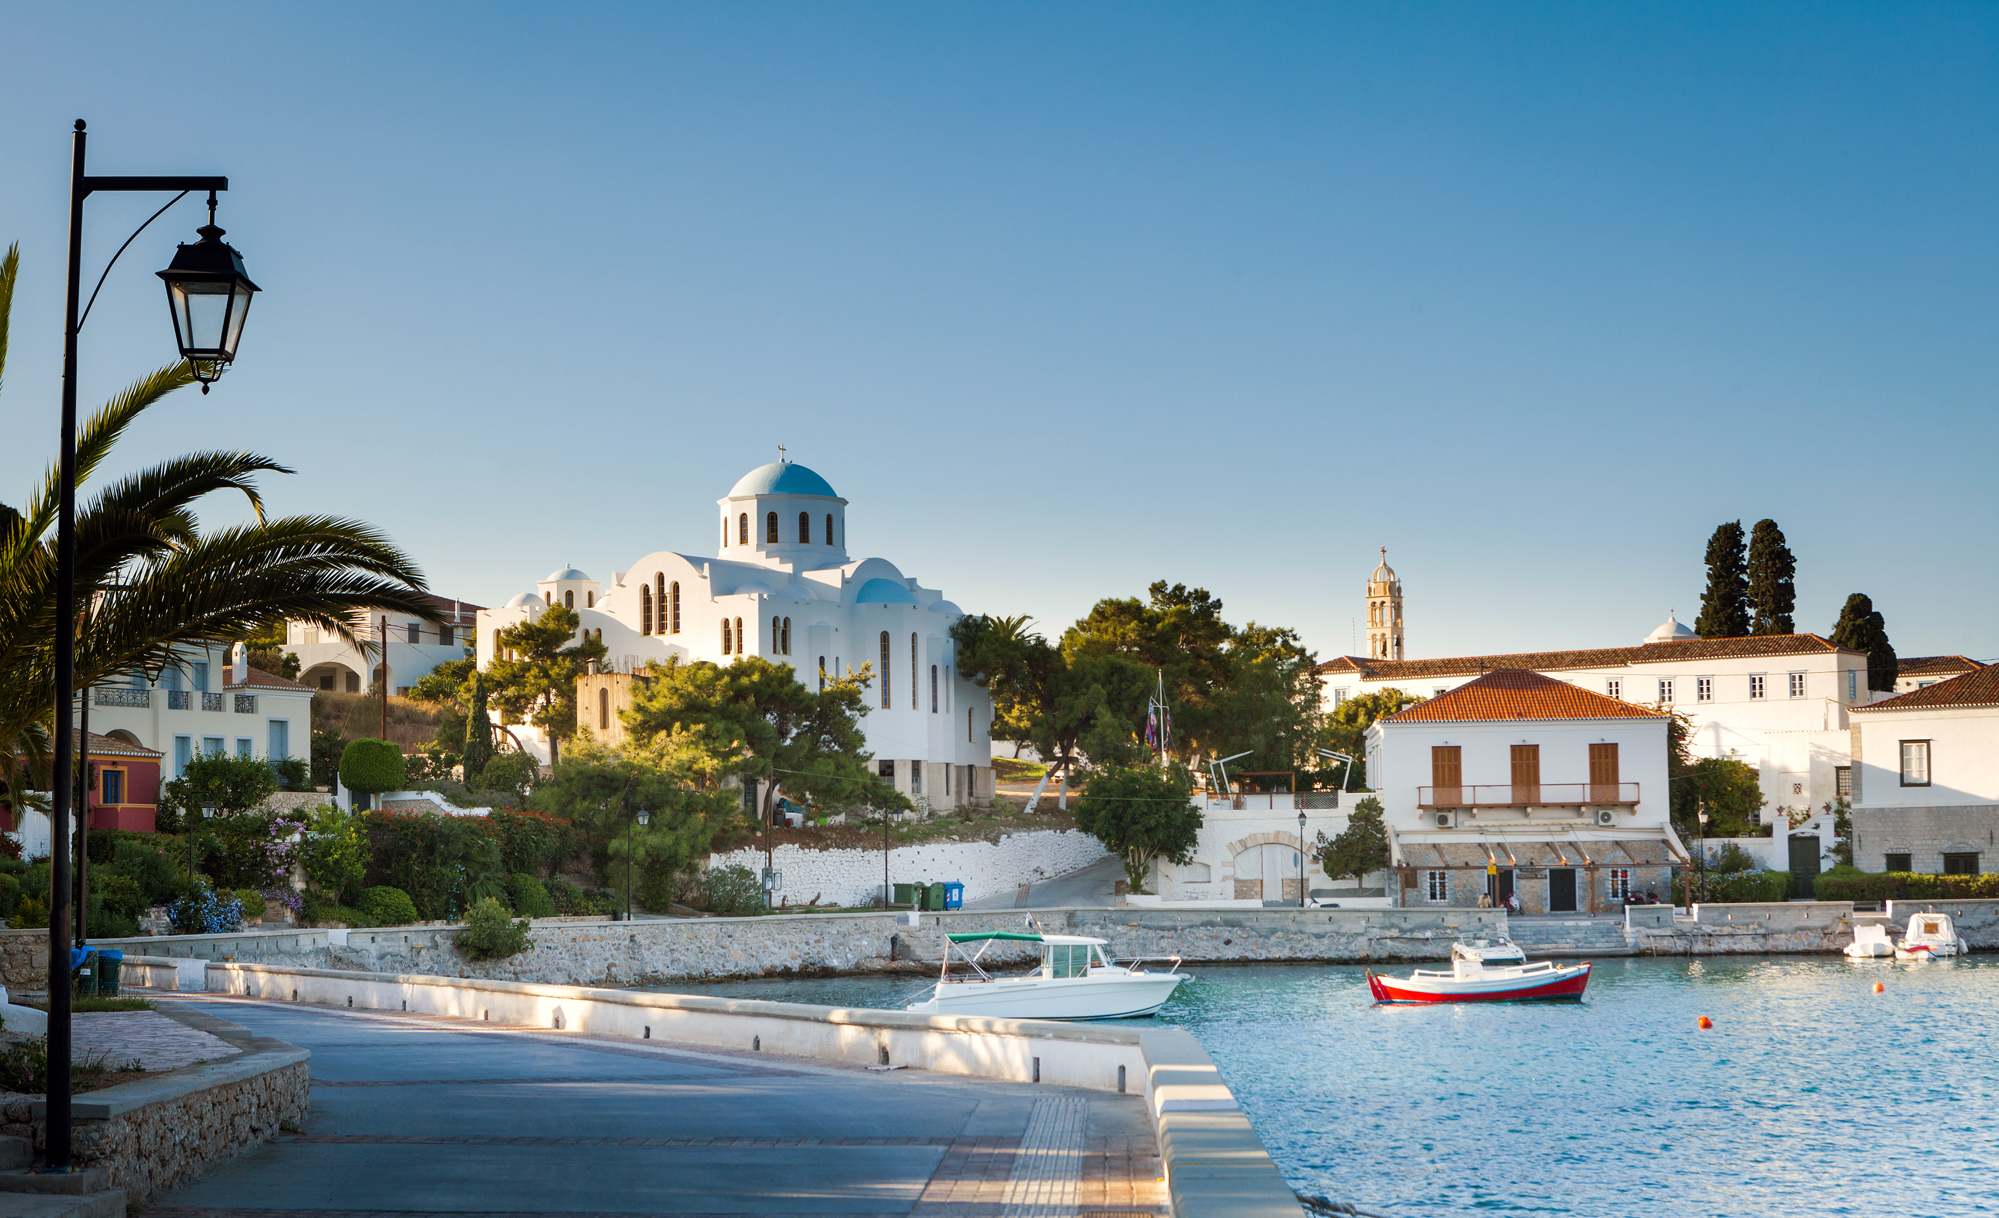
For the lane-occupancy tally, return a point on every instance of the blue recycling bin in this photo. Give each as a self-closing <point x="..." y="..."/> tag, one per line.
<point x="954" y="895"/>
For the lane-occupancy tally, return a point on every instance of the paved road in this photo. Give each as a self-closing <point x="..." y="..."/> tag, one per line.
<point x="418" y="1114"/>
<point x="1092" y="887"/>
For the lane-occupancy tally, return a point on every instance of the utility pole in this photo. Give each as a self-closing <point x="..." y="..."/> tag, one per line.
<point x="384" y="678"/>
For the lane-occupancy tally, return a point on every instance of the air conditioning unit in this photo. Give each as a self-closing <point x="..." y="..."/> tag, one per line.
<point x="1443" y="820"/>
<point x="1604" y="816"/>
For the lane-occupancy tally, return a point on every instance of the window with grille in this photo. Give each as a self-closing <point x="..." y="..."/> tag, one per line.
<point x="728" y="641"/>
<point x="829" y="528"/>
<point x="1852" y="684"/>
<point x="1797" y="685"/>
<point x="645" y="609"/>
<point x="884" y="676"/>
<point x="770" y="527"/>
<point x="743" y="529"/>
<point x="1755" y="685"/>
<point x="1339" y="696"/>
<point x="1437" y="885"/>
<point x="1704" y="689"/>
<point x="1620" y="883"/>
<point x="1665" y="691"/>
<point x="1897" y="862"/>
<point x="1614" y="688"/>
<point x="1915" y="763"/>
<point x="674" y="619"/>
<point x="1960" y="863"/>
<point x="805" y="528"/>
<point x="1842" y="781"/>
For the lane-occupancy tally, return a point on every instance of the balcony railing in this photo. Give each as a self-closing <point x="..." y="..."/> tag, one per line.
<point x="246" y="704"/>
<point x="1281" y="801"/>
<point x="1528" y="795"/>
<point x="121" y="695"/>
<point x="180" y="699"/>
<point x="211" y="702"/>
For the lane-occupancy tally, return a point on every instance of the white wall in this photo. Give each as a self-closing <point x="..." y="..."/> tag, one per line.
<point x="854" y="877"/>
<point x="1964" y="757"/>
<point x="1399" y="761"/>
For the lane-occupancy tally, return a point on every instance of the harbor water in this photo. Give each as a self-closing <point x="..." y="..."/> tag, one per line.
<point x="1811" y="1094"/>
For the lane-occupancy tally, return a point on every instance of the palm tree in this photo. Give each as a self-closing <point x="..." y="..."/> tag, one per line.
<point x="180" y="588"/>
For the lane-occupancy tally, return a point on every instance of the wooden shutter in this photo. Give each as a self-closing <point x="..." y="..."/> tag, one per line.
<point x="1603" y="773"/>
<point x="1526" y="774"/>
<point x="1446" y="776"/>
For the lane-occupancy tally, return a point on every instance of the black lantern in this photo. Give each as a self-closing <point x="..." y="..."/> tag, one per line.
<point x="209" y="296"/>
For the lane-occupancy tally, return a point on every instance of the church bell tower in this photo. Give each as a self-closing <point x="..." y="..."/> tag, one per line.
<point x="1384" y="612"/>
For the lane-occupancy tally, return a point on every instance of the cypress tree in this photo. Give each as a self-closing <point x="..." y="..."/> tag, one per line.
<point x="478" y="730"/>
<point x="1724" y="610"/>
<point x="1771" y="589"/>
<point x="1861" y="628"/>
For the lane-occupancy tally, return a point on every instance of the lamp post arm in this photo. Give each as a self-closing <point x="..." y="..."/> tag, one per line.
<point x="90" y="186"/>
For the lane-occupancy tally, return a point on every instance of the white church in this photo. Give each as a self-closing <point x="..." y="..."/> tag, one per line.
<point x="784" y="588"/>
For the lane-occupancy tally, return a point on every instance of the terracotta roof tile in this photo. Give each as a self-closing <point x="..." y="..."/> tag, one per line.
<point x="1935" y="666"/>
<point x="1511" y="693"/>
<point x="1978" y="688"/>
<point x="1744" y="647"/>
<point x="259" y="679"/>
<point x="111" y="746"/>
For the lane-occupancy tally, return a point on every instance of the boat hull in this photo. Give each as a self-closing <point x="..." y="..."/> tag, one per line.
<point x="1558" y="985"/>
<point x="1053" y="998"/>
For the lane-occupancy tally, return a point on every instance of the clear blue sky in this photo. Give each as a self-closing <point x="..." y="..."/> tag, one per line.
<point x="1067" y="298"/>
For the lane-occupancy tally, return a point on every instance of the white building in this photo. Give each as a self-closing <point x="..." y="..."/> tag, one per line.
<point x="1514" y="782"/>
<point x="1249" y="854"/>
<point x="1921" y="672"/>
<point x="212" y="703"/>
<point x="415" y="647"/>
<point x="785" y="588"/>
<point x="1926" y="778"/>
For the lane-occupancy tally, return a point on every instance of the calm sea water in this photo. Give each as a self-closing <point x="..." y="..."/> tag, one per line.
<point x="1811" y="1094"/>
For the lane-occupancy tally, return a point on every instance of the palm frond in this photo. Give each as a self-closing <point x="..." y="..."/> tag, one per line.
<point x="10" y="268"/>
<point x="97" y="436"/>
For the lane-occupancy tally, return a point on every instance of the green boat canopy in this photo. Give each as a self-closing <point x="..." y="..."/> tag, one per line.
<point x="978" y="936"/>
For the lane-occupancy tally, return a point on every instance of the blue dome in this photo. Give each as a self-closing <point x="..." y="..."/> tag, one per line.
<point x="883" y="592"/>
<point x="782" y="478"/>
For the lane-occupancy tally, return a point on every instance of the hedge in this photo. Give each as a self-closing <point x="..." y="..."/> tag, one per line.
<point x="372" y="766"/>
<point x="1734" y="887"/>
<point x="1853" y="884"/>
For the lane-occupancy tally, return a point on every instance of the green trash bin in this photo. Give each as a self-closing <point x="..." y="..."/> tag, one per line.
<point x="933" y="896"/>
<point x="905" y="894"/>
<point x="109" y="961"/>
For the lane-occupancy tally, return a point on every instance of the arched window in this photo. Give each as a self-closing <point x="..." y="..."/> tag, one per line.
<point x="770" y="527"/>
<point x="645" y="609"/>
<point x="829" y="528"/>
<point x="913" y="703"/>
<point x="933" y="689"/>
<point x="603" y="710"/>
<point x="776" y="637"/>
<point x="674" y="617"/>
<point x="569" y="600"/>
<point x="968" y="725"/>
<point x="742" y="640"/>
<point x="805" y="528"/>
<point x="787" y="636"/>
<point x="885" y="687"/>
<point x="499" y="652"/>
<point x="589" y="600"/>
<point x="725" y="532"/>
<point x="659" y="598"/>
<point x="743" y="529"/>
<point x="822" y="674"/>
<point x="548" y="598"/>
<point x="727" y="640"/>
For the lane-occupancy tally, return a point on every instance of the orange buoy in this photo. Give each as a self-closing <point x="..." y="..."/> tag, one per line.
<point x="1704" y="1023"/>
<point x="1879" y="988"/>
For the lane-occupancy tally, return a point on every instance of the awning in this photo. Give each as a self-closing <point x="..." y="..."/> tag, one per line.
<point x="1582" y="848"/>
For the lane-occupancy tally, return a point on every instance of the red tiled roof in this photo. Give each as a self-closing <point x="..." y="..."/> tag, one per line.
<point x="1687" y="650"/>
<point x="111" y="746"/>
<point x="1512" y="693"/>
<point x="258" y="678"/>
<point x="1931" y="666"/>
<point x="1976" y="688"/>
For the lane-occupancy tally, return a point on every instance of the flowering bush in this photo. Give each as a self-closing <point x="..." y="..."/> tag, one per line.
<point x="202" y="910"/>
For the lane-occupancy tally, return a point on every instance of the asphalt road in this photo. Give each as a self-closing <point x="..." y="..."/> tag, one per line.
<point x="1092" y="887"/>
<point x="416" y="1114"/>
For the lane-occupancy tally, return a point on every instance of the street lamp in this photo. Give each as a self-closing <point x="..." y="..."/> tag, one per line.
<point x="643" y="817"/>
<point x="209" y="296"/>
<point x="1301" y="856"/>
<point x="207" y="813"/>
<point x="1701" y="841"/>
<point x="202" y="320"/>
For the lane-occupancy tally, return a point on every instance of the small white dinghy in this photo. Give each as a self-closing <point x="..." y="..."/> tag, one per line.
<point x="1075" y="981"/>
<point x="1930" y="936"/>
<point x="1870" y="942"/>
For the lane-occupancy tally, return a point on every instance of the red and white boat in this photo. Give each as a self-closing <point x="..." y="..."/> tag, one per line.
<point x="1482" y="972"/>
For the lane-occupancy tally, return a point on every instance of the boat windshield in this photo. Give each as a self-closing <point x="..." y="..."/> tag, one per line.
<point x="1067" y="959"/>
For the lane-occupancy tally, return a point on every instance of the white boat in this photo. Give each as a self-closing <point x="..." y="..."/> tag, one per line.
<point x="1930" y="936"/>
<point x="1076" y="980"/>
<point x="1869" y="942"/>
<point x="1483" y="971"/>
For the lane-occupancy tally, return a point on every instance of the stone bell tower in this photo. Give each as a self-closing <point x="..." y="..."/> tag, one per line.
<point x="1384" y="612"/>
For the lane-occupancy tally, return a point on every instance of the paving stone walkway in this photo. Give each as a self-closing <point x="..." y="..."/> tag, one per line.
<point x="148" y="1037"/>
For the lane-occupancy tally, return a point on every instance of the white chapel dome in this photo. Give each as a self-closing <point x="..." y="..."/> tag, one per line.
<point x="564" y="575"/>
<point x="1669" y="631"/>
<point x="524" y="600"/>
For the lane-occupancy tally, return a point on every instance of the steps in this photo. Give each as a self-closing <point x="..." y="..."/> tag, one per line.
<point x="78" y="1194"/>
<point x="1578" y="936"/>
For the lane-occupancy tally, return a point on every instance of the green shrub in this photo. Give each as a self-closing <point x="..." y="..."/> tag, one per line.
<point x="529" y="897"/>
<point x="10" y="895"/>
<point x="151" y="866"/>
<point x="1853" y="884"/>
<point x="333" y="852"/>
<point x="507" y="774"/>
<point x="252" y="901"/>
<point x="109" y="923"/>
<point x="31" y="913"/>
<point x="118" y="892"/>
<point x="372" y="766"/>
<point x="1733" y="887"/>
<point x="532" y="842"/>
<point x="12" y="865"/>
<point x="735" y="891"/>
<point x="386" y="906"/>
<point x="572" y="902"/>
<point x="294" y="774"/>
<point x="490" y="934"/>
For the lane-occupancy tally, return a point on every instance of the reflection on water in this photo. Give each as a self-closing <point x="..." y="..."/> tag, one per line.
<point x="1811" y="1095"/>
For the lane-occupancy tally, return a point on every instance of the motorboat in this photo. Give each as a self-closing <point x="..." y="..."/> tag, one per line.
<point x="1870" y="942"/>
<point x="1075" y="980"/>
<point x="1930" y="936"/>
<point x="1484" y="971"/>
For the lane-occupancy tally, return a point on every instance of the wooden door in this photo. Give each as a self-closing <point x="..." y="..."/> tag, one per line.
<point x="1603" y="773"/>
<point x="1526" y="774"/>
<point x="1804" y="864"/>
<point x="1446" y="776"/>
<point x="1561" y="890"/>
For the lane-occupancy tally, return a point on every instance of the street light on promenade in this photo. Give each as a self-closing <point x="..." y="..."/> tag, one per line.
<point x="210" y="296"/>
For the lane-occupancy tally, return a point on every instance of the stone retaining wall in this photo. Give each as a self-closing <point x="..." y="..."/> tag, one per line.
<point x="1977" y="922"/>
<point x="24" y="960"/>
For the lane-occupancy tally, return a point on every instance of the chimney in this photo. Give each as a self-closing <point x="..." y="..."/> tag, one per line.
<point x="239" y="664"/>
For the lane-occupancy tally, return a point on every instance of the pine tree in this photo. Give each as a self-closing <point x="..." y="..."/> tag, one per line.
<point x="478" y="730"/>
<point x="1772" y="590"/>
<point x="1724" y="608"/>
<point x="1860" y="628"/>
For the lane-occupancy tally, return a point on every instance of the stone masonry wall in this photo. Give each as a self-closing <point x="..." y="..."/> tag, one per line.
<point x="158" y="1146"/>
<point x="854" y="877"/>
<point x="24" y="960"/>
<point x="1924" y="834"/>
